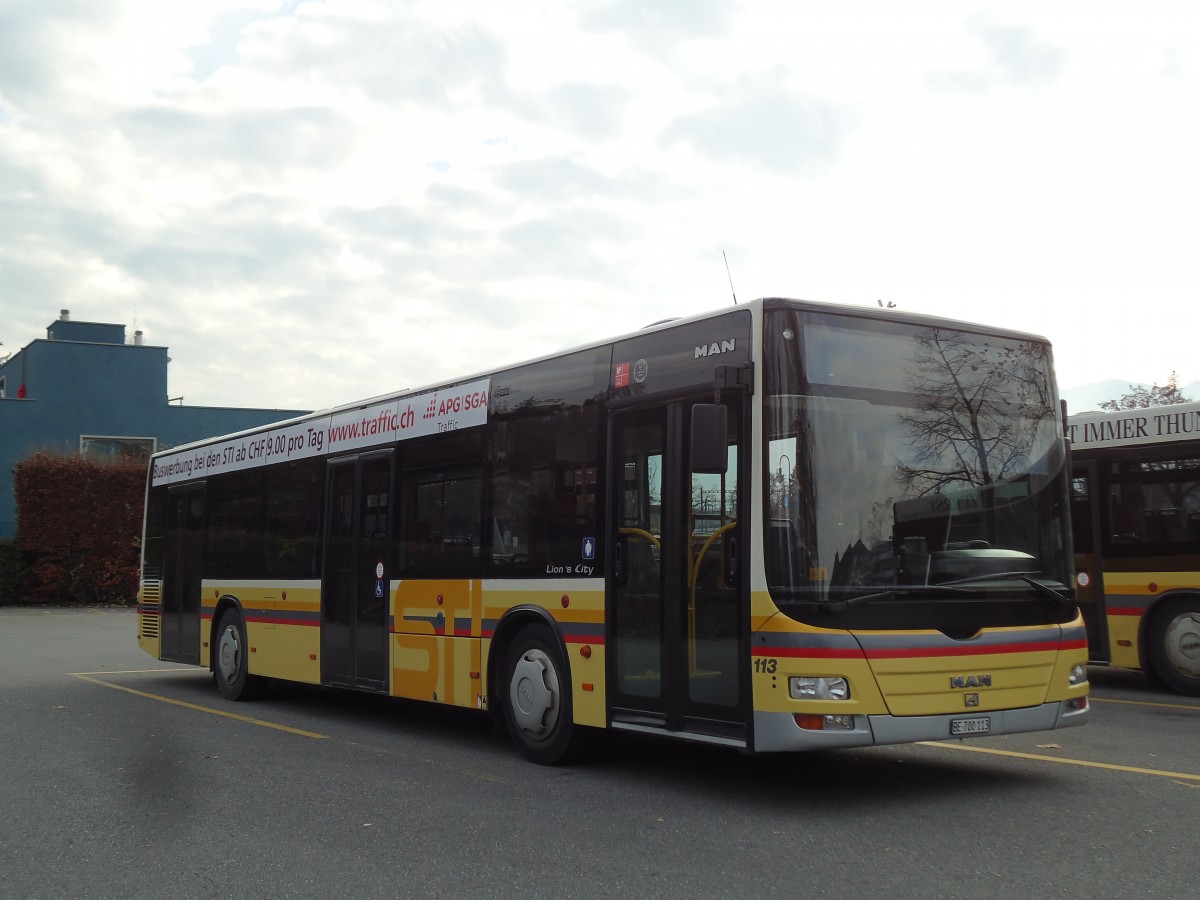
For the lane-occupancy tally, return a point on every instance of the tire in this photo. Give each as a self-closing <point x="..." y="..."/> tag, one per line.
<point x="1174" y="645"/>
<point x="536" y="698"/>
<point x="231" y="660"/>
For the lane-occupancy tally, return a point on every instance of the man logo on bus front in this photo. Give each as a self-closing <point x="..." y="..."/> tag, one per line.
<point x="970" y="681"/>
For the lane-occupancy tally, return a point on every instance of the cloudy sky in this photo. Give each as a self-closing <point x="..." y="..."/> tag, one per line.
<point x="314" y="202"/>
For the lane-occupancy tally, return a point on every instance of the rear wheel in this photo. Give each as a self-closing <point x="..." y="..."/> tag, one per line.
<point x="1174" y="645"/>
<point x="230" y="663"/>
<point x="537" y="698"/>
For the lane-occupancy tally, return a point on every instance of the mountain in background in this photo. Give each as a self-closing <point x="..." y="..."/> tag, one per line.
<point x="1090" y="396"/>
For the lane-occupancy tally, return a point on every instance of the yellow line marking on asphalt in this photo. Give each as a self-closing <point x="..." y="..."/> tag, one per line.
<point x="379" y="751"/>
<point x="1192" y="707"/>
<point x="140" y="671"/>
<point x="1086" y="763"/>
<point x="198" y="708"/>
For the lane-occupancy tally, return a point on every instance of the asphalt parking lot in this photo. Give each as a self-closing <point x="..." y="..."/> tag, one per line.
<point x="127" y="777"/>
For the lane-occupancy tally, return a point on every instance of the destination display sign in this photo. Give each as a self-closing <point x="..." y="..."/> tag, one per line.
<point x="1130" y="427"/>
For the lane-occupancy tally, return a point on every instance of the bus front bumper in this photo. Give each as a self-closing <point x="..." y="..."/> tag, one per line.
<point x="781" y="732"/>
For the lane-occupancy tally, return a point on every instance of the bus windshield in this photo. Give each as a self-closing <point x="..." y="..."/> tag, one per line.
<point x="911" y="466"/>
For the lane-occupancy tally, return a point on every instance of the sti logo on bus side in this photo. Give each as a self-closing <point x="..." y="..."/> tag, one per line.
<point x="715" y="349"/>
<point x="969" y="681"/>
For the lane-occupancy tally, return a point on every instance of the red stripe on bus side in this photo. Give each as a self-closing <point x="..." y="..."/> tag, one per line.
<point x="1125" y="611"/>
<point x="809" y="652"/>
<point x="279" y="620"/>
<point x="914" y="652"/>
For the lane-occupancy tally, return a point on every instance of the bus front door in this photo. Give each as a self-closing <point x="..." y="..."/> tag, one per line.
<point x="357" y="572"/>
<point x="677" y="595"/>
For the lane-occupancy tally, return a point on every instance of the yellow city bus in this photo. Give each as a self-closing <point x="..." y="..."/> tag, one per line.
<point x="1135" y="495"/>
<point x="780" y="526"/>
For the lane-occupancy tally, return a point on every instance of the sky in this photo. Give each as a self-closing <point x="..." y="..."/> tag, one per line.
<point x="312" y="203"/>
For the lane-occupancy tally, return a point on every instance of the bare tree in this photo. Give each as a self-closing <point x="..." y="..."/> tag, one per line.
<point x="1139" y="397"/>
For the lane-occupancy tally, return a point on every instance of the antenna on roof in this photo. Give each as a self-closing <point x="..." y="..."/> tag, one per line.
<point x="731" y="290"/>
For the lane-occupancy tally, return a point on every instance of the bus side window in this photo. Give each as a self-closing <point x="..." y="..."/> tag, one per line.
<point x="442" y="505"/>
<point x="1126" y="514"/>
<point x="544" y="494"/>
<point x="440" y="535"/>
<point x="1081" y="511"/>
<point x="293" y="520"/>
<point x="235" y="527"/>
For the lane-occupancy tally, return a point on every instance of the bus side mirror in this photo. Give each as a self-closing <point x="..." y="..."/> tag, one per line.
<point x="710" y="450"/>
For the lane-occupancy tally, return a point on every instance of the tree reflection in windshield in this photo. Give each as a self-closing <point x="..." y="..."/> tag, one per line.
<point x="978" y="408"/>
<point x="907" y="455"/>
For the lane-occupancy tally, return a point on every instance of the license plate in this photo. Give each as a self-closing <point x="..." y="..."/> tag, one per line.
<point x="971" y="726"/>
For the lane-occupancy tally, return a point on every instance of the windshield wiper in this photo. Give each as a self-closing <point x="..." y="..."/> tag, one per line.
<point x="837" y="606"/>
<point x="1041" y="589"/>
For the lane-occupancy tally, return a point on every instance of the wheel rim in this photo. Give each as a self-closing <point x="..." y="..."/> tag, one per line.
<point x="533" y="694"/>
<point x="229" y="654"/>
<point x="1181" y="643"/>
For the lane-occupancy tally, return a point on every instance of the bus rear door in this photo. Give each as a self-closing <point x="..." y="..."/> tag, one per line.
<point x="358" y="558"/>
<point x="183" y="559"/>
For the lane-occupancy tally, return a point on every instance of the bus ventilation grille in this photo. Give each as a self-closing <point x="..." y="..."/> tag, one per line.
<point x="151" y="605"/>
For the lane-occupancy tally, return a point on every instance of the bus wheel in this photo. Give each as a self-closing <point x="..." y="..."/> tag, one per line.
<point x="230" y="666"/>
<point x="1175" y="645"/>
<point x="537" y="698"/>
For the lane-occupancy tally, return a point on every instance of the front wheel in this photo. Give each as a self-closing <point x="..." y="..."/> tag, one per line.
<point x="230" y="664"/>
<point x="1174" y="645"/>
<point x="537" y="698"/>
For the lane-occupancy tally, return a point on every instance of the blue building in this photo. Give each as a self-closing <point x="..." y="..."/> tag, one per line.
<point x="86" y="389"/>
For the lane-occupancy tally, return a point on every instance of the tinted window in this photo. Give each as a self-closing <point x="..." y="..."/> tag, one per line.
<point x="544" y="466"/>
<point x="1081" y="511"/>
<point x="443" y="506"/>
<point x="571" y="381"/>
<point x="294" y="518"/>
<point x="1155" y="503"/>
<point x="544" y="495"/>
<point x="235" y="527"/>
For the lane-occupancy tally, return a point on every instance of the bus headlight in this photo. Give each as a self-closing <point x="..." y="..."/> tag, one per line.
<point x="809" y="687"/>
<point x="1078" y="674"/>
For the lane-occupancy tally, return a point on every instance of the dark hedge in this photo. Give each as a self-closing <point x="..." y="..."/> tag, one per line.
<point x="79" y="528"/>
<point x="10" y="572"/>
